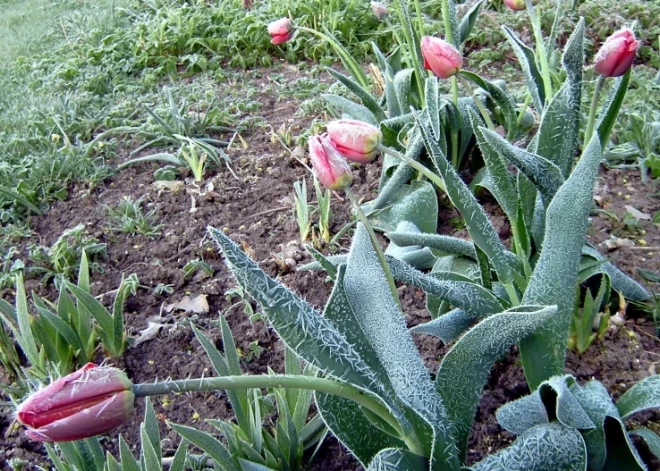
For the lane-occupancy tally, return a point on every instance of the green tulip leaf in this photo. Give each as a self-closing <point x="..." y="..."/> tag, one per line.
<point x="479" y="227"/>
<point x="395" y="459"/>
<point x="642" y="396"/>
<point x="299" y="326"/>
<point x="447" y="327"/>
<point x="545" y="175"/>
<point x="527" y="60"/>
<point x="555" y="275"/>
<point x="416" y="203"/>
<point x="367" y="99"/>
<point x="465" y="368"/>
<point x="468" y="21"/>
<point x="546" y="447"/>
<point x="350" y="108"/>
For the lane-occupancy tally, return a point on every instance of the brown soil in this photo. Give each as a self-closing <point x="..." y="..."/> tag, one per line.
<point x="256" y="211"/>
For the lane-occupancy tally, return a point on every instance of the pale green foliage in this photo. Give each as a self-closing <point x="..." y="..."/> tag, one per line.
<point x="250" y="443"/>
<point x="302" y="209"/>
<point x="540" y="448"/>
<point x="362" y="339"/>
<point x="588" y="409"/>
<point x="128" y="217"/>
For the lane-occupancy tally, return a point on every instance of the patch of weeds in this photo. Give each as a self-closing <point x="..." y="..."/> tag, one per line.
<point x="637" y="135"/>
<point x="303" y="88"/>
<point x="254" y="351"/>
<point x="129" y="218"/>
<point x="242" y="299"/>
<point x="64" y="256"/>
<point x="164" y="289"/>
<point x="196" y="266"/>
<point x="9" y="266"/>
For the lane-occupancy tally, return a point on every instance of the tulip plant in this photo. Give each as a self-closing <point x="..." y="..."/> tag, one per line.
<point x="374" y="392"/>
<point x="547" y="203"/>
<point x="66" y="332"/>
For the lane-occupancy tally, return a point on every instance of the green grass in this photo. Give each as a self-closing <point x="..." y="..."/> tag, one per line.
<point x="70" y="69"/>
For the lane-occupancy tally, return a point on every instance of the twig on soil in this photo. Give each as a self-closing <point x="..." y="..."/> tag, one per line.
<point x="274" y="210"/>
<point x="636" y="327"/>
<point x="645" y="248"/>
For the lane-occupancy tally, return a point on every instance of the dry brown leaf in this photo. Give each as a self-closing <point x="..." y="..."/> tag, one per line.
<point x="197" y="305"/>
<point x="150" y="333"/>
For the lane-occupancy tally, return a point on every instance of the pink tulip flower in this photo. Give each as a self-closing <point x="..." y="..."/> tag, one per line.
<point x="355" y="140"/>
<point x="441" y="57"/>
<point x="329" y="166"/>
<point x="88" y="402"/>
<point x="280" y="31"/>
<point x="515" y="5"/>
<point x="617" y="54"/>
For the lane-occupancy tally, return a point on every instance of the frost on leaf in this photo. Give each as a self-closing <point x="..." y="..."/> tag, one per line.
<point x="548" y="447"/>
<point x="301" y="328"/>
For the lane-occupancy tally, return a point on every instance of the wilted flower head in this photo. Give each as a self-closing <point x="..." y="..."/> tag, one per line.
<point x="441" y="57"/>
<point x="356" y="140"/>
<point x="379" y="9"/>
<point x="516" y="5"/>
<point x="93" y="400"/>
<point x="330" y="167"/>
<point x="617" y="54"/>
<point x="280" y="31"/>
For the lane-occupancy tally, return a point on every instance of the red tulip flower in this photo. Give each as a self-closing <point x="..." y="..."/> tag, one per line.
<point x="329" y="166"/>
<point x="88" y="402"/>
<point x="515" y="5"/>
<point x="617" y="54"/>
<point x="280" y="31"/>
<point x="441" y="57"/>
<point x="355" y="140"/>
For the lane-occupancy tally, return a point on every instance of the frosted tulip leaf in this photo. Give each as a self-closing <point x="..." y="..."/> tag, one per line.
<point x="465" y="368"/>
<point x="299" y="326"/>
<point x="480" y="228"/>
<point x="394" y="459"/>
<point x="384" y="328"/>
<point x="555" y="276"/>
<point x="548" y="447"/>
<point x="347" y="422"/>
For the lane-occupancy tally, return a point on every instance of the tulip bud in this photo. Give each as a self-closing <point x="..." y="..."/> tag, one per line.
<point x="280" y="31"/>
<point x="329" y="166"/>
<point x="515" y="5"/>
<point x="355" y="140"/>
<point x="88" y="402"/>
<point x="380" y="10"/>
<point x="441" y="57"/>
<point x="617" y="54"/>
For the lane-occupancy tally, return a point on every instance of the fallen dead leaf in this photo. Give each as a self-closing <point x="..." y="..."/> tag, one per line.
<point x="174" y="186"/>
<point x="197" y="305"/>
<point x="614" y="243"/>
<point x="150" y="333"/>
<point x="637" y="214"/>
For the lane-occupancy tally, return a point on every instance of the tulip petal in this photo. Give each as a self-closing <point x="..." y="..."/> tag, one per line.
<point x="80" y="389"/>
<point x="98" y="419"/>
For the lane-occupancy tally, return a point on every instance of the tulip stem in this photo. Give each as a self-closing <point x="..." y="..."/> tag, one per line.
<point x="421" y="168"/>
<point x="347" y="391"/>
<point x="348" y="60"/>
<point x="375" y="242"/>
<point x="454" y="132"/>
<point x="526" y="103"/>
<point x="592" y="112"/>
<point x="449" y="36"/>
<point x="477" y="101"/>
<point x="420" y="19"/>
<point x="540" y="50"/>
